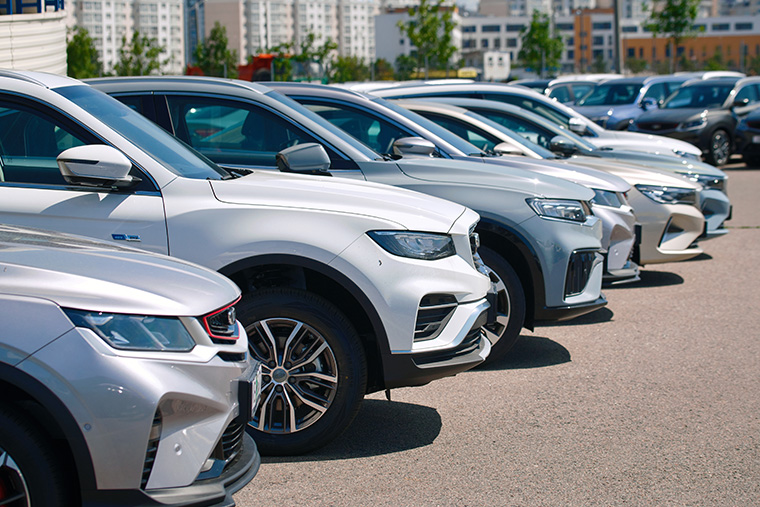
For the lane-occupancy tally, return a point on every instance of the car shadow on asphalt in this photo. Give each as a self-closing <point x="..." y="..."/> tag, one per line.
<point x="530" y="352"/>
<point x="651" y="279"/>
<point x="380" y="427"/>
<point x="701" y="257"/>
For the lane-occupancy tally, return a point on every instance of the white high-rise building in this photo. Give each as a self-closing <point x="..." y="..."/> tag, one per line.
<point x="109" y="21"/>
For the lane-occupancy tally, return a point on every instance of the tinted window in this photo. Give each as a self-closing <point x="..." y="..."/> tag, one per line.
<point x="658" y="92"/>
<point x="611" y="94"/>
<point x="474" y="136"/>
<point x="232" y="133"/>
<point x="532" y="105"/>
<point x="707" y="95"/>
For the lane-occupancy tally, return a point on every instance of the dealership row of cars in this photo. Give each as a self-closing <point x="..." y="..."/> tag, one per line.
<point x="366" y="244"/>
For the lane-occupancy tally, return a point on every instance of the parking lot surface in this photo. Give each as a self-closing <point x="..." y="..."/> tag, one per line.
<point x="653" y="400"/>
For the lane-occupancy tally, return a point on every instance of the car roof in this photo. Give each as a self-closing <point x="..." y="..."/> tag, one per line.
<point x="179" y="83"/>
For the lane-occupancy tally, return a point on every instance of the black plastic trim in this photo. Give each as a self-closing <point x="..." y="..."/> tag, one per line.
<point x="558" y="313"/>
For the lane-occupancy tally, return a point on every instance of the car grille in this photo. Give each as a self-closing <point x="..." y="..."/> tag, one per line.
<point x="656" y="126"/>
<point x="150" y="454"/>
<point x="579" y="271"/>
<point x="432" y="315"/>
<point x="469" y="345"/>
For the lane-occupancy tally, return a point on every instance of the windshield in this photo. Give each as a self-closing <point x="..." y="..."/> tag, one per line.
<point x="611" y="94"/>
<point x="448" y="136"/>
<point x="699" y="96"/>
<point x="352" y="141"/>
<point x="143" y="133"/>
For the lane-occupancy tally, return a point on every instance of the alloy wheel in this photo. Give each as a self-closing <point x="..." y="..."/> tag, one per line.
<point x="299" y="375"/>
<point x="503" y="308"/>
<point x="13" y="488"/>
<point x="720" y="146"/>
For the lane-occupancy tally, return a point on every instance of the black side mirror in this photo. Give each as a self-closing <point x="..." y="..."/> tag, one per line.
<point x="563" y="146"/>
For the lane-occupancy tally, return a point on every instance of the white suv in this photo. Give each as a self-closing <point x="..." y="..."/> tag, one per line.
<point x="348" y="287"/>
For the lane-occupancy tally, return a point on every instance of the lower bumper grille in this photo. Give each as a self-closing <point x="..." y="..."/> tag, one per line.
<point x="434" y="312"/>
<point x="232" y="441"/>
<point x="469" y="345"/>
<point x="150" y="453"/>
<point x="578" y="272"/>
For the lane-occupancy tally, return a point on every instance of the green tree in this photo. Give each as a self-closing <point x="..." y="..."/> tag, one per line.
<point x="139" y="56"/>
<point x="753" y="67"/>
<point x="308" y="53"/>
<point x="541" y="50"/>
<point x="429" y="30"/>
<point x="405" y="66"/>
<point x="214" y="57"/>
<point x="636" y="65"/>
<point x="350" y="68"/>
<point x="675" y="20"/>
<point x="599" y="66"/>
<point x="716" y="61"/>
<point x="82" y="59"/>
<point x="383" y="70"/>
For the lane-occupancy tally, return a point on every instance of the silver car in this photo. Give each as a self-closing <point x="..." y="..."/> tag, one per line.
<point x="537" y="233"/>
<point x="125" y="377"/>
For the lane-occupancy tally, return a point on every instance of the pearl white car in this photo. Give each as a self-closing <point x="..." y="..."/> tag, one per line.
<point x="348" y="287"/>
<point x="125" y="378"/>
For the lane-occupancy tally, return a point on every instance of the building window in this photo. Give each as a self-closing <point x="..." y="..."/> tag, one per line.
<point x="721" y="27"/>
<point x="490" y="28"/>
<point x="565" y="26"/>
<point x="515" y="28"/>
<point x="607" y="25"/>
<point x="468" y="44"/>
<point x="571" y="54"/>
<point x="571" y="41"/>
<point x="497" y="43"/>
<point x="629" y="29"/>
<point x="598" y="40"/>
<point x="598" y="53"/>
<point x="469" y="29"/>
<point x="631" y="53"/>
<point x="743" y="26"/>
<point x="511" y="43"/>
<point x="484" y="43"/>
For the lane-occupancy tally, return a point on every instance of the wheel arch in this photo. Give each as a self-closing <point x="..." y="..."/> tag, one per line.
<point x="283" y="270"/>
<point x="42" y="405"/>
<point x="516" y="250"/>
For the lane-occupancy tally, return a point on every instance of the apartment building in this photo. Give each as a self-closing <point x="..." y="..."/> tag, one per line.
<point x="33" y="35"/>
<point x="110" y="21"/>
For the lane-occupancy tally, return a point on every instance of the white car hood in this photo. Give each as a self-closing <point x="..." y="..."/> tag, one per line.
<point x="648" y="143"/>
<point x="636" y="175"/>
<point x="85" y="274"/>
<point x="408" y="209"/>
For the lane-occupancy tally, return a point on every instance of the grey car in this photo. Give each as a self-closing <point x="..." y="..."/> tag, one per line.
<point x="704" y="113"/>
<point x="124" y="375"/>
<point x="537" y="233"/>
<point x="364" y="113"/>
<point x="614" y="104"/>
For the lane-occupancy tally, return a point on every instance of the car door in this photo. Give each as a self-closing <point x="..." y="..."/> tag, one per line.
<point x="749" y="95"/>
<point x="34" y="193"/>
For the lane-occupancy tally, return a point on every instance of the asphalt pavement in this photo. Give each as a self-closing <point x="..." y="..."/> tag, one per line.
<point x="653" y="400"/>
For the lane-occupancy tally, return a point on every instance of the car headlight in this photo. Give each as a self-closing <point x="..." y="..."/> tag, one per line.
<point x="706" y="180"/>
<point x="575" y="211"/>
<point x="693" y="124"/>
<point x="669" y="195"/>
<point x="415" y="245"/>
<point x="606" y="198"/>
<point x="135" y="332"/>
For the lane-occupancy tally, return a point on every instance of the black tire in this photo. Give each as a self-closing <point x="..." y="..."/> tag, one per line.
<point x="30" y="470"/>
<point x="332" y="373"/>
<point x="510" y="303"/>
<point x="719" y="148"/>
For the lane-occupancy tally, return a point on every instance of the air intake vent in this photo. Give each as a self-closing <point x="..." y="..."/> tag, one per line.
<point x="432" y="315"/>
<point x="578" y="272"/>
<point x="150" y="454"/>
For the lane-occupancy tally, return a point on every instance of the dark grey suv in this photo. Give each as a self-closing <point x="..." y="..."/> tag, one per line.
<point x="704" y="113"/>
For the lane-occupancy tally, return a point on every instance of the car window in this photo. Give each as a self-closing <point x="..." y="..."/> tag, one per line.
<point x="749" y="93"/>
<point x="532" y="133"/>
<point x="658" y="92"/>
<point x="611" y="94"/>
<point x="561" y="93"/>
<point x="232" y="133"/>
<point x="374" y="132"/>
<point x="581" y="89"/>
<point x="531" y="105"/>
<point x="479" y="138"/>
<point x="707" y="95"/>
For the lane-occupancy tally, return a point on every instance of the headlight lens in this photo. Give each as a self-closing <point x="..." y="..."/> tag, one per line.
<point x="575" y="211"/>
<point x="135" y="332"/>
<point x="669" y="195"/>
<point x="415" y="245"/>
<point x="706" y="180"/>
<point x="607" y="198"/>
<point x="694" y="124"/>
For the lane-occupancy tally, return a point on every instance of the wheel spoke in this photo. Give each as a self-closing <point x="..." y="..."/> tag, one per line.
<point x="269" y="340"/>
<point x="333" y="379"/>
<point x="293" y="334"/>
<point x="313" y="356"/>
<point x="302" y="396"/>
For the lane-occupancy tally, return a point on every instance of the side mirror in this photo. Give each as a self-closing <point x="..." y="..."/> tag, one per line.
<point x="507" y="149"/>
<point x="414" y="147"/>
<point x="648" y="103"/>
<point x="740" y="103"/>
<point x="96" y="165"/>
<point x="563" y="146"/>
<point x="307" y="158"/>
<point x="576" y="125"/>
